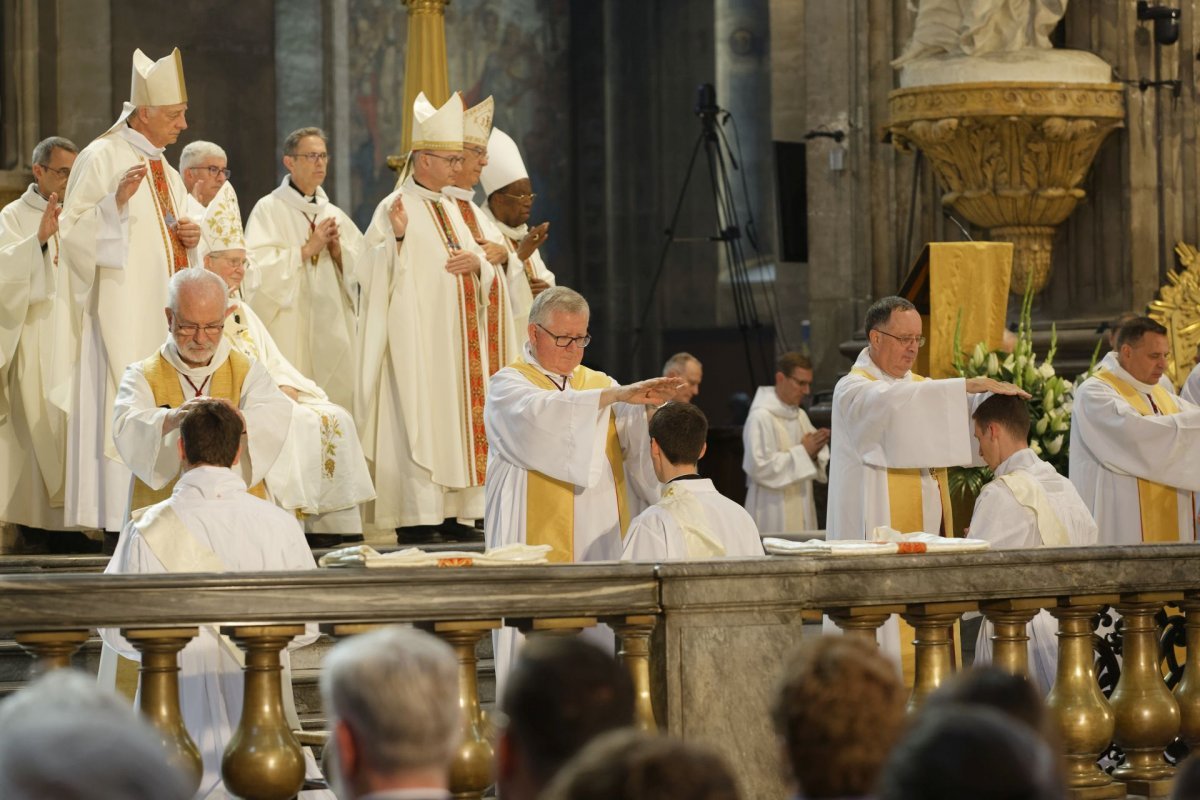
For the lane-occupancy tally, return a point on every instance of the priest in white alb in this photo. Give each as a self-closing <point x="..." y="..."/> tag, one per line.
<point x="894" y="435"/>
<point x="305" y="256"/>
<point x="784" y="453"/>
<point x="321" y="472"/>
<point x="424" y="332"/>
<point x="124" y="233"/>
<point x="32" y="430"/>
<point x="1028" y="504"/>
<point x="567" y="445"/>
<point x="509" y="204"/>
<point x="195" y="361"/>
<point x="692" y="520"/>
<point x="1135" y="447"/>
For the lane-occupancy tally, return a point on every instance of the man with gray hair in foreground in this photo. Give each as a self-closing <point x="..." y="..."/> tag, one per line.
<point x="394" y="720"/>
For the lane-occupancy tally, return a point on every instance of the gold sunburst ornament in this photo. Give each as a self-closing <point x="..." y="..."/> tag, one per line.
<point x="1177" y="309"/>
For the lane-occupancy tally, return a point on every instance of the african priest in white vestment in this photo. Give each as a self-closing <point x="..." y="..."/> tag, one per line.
<point x="321" y="471"/>
<point x="125" y="232"/>
<point x="1028" y="504"/>
<point x="195" y="361"/>
<point x="1135" y="447"/>
<point x="32" y="429"/>
<point x="305" y="256"/>
<point x="424" y="335"/>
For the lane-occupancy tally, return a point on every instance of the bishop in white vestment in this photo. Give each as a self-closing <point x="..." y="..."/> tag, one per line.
<point x="1135" y="448"/>
<point x="210" y="523"/>
<point x="321" y="472"/>
<point x="692" y="520"/>
<point x="124" y="233"/>
<point x="784" y="451"/>
<point x="1027" y="505"/>
<point x="32" y="430"/>
<point x="305" y="257"/>
<point x="509" y="203"/>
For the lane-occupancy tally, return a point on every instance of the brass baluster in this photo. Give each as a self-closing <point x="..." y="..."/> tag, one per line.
<point x="1010" y="631"/>
<point x="633" y="634"/>
<point x="933" y="628"/>
<point x="1187" y="693"/>
<point x="50" y="649"/>
<point x="263" y="760"/>
<point x="863" y="621"/>
<point x="1147" y="714"/>
<point x="159" y="692"/>
<point x="471" y="770"/>
<point x="552" y="626"/>
<point x="1084" y="719"/>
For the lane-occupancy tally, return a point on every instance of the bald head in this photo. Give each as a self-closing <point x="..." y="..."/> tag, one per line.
<point x="688" y="367"/>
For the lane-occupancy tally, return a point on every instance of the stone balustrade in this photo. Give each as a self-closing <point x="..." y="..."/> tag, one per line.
<point x="703" y="640"/>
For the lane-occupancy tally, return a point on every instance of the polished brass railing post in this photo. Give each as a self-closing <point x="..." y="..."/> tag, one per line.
<point x="263" y="760"/>
<point x="551" y="626"/>
<point x="50" y="649"/>
<point x="1083" y="717"/>
<point x="1187" y="693"/>
<point x="863" y="622"/>
<point x="932" y="624"/>
<point x="1147" y="714"/>
<point x="471" y="770"/>
<point x="633" y="637"/>
<point x="1010" y="631"/>
<point x="159" y="692"/>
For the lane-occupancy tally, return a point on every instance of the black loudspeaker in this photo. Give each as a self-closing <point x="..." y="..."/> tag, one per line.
<point x="791" y="187"/>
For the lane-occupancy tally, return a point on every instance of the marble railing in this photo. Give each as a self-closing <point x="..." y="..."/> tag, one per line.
<point x="704" y="640"/>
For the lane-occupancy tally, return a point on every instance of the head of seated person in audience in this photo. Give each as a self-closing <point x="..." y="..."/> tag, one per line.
<point x="960" y="751"/>
<point x="634" y="765"/>
<point x="1187" y="779"/>
<point x="63" y="737"/>
<point x="394" y="720"/>
<point x="678" y="434"/>
<point x="839" y="710"/>
<point x="210" y="434"/>
<point x="1001" y="428"/>
<point x="562" y="693"/>
<point x="992" y="687"/>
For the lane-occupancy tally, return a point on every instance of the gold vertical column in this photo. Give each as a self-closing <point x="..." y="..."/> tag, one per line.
<point x="933" y="627"/>
<point x="633" y="634"/>
<point x="1187" y="693"/>
<point x="425" y="68"/>
<point x="863" y="622"/>
<point x="263" y="760"/>
<point x="1084" y="718"/>
<point x="471" y="770"/>
<point x="50" y="649"/>
<point x="159" y="695"/>
<point x="1147" y="714"/>
<point x="1010" y="631"/>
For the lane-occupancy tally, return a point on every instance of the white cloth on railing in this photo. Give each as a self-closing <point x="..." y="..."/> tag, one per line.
<point x="366" y="556"/>
<point x="819" y="547"/>
<point x="932" y="542"/>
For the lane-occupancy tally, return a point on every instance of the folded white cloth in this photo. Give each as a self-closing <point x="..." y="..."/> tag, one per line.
<point x="366" y="556"/>
<point x="933" y="543"/>
<point x="818" y="547"/>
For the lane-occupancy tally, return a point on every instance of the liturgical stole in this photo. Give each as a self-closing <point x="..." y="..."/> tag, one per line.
<point x="1159" y="504"/>
<point x="550" y="503"/>
<point x="164" y="383"/>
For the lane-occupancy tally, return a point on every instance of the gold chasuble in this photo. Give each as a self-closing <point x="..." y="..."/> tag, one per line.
<point x="550" y="503"/>
<point x="164" y="383"/>
<point x="1158" y="504"/>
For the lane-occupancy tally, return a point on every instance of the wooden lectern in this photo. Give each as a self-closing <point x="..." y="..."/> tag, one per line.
<point x="950" y="279"/>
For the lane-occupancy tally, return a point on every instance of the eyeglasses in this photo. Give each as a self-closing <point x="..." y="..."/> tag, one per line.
<point x="455" y="161"/>
<point x="919" y="341"/>
<point x="236" y="262"/>
<point x="313" y="158"/>
<point x="522" y="198"/>
<point x="478" y="152"/>
<point x="62" y="172"/>
<point x="566" y="341"/>
<point x="215" y="171"/>
<point x="190" y="329"/>
<point x="802" y="384"/>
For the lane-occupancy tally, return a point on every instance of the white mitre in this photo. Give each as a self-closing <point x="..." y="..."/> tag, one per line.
<point x="477" y="123"/>
<point x="222" y="223"/>
<point x="154" y="83"/>
<point x="437" y="129"/>
<point x="504" y="163"/>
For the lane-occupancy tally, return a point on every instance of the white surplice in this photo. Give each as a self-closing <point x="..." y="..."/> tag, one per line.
<point x="32" y="430"/>
<point x="658" y="533"/>
<point x="1112" y="445"/>
<point x="424" y="366"/>
<point x="520" y="292"/>
<point x="154" y="457"/>
<point x="1191" y="387"/>
<point x="115" y="285"/>
<point x="310" y="309"/>
<point x="321" y="470"/>
<point x="1000" y="518"/>
<point x="779" y="471"/>
<point x="247" y="535"/>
